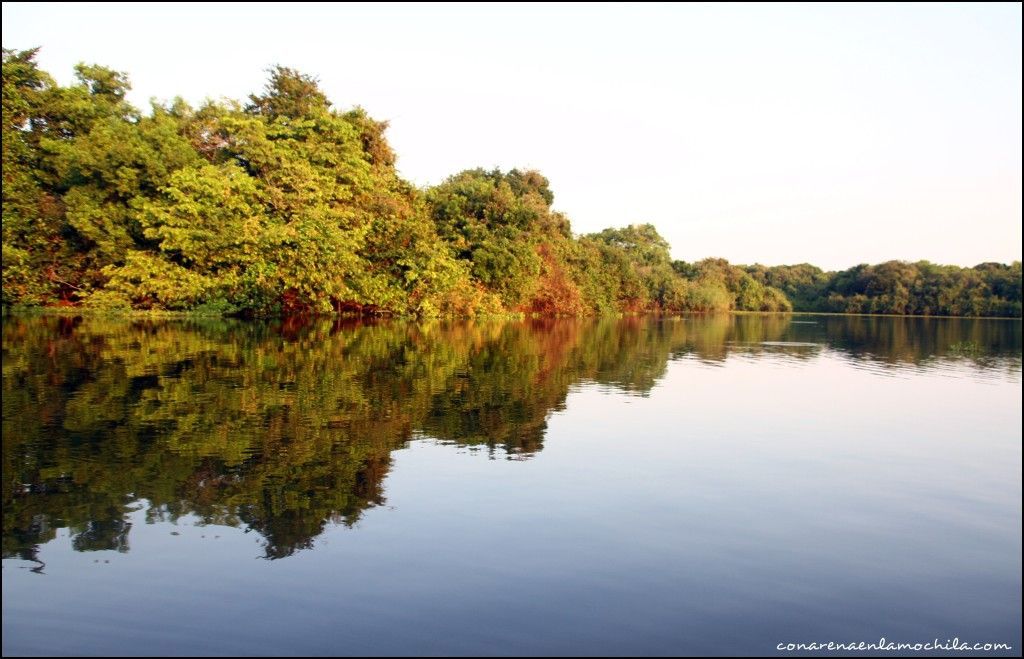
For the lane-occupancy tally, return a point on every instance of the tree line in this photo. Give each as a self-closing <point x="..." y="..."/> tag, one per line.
<point x="898" y="287"/>
<point x="285" y="204"/>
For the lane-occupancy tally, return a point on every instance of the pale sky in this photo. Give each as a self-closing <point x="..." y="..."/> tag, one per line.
<point x="830" y="134"/>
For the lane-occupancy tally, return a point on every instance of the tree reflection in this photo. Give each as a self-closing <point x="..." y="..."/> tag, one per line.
<point x="283" y="428"/>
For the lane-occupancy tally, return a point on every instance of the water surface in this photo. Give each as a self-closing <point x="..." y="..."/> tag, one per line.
<point x="648" y="486"/>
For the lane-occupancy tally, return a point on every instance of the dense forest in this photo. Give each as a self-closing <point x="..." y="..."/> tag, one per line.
<point x="898" y="287"/>
<point x="284" y="204"/>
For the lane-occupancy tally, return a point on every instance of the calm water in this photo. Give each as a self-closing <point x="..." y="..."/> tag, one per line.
<point x="637" y="486"/>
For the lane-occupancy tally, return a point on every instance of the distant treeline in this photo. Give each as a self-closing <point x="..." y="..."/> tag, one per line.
<point x="285" y="205"/>
<point x="898" y="287"/>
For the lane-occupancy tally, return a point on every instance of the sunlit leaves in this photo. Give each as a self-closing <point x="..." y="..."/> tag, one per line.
<point x="286" y="205"/>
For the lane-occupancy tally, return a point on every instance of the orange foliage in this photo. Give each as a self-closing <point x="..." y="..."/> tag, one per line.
<point x="556" y="293"/>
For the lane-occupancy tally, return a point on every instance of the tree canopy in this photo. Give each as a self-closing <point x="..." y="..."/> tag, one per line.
<point x="286" y="204"/>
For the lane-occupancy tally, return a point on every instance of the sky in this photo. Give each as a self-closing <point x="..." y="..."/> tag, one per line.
<point x="829" y="134"/>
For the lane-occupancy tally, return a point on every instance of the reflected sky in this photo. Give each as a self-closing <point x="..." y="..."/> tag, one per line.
<point x="616" y="486"/>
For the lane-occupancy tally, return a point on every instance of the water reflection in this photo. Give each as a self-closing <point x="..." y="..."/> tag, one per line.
<point x="283" y="428"/>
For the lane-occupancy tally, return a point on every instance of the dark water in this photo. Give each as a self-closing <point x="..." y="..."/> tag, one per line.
<point x="638" y="486"/>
